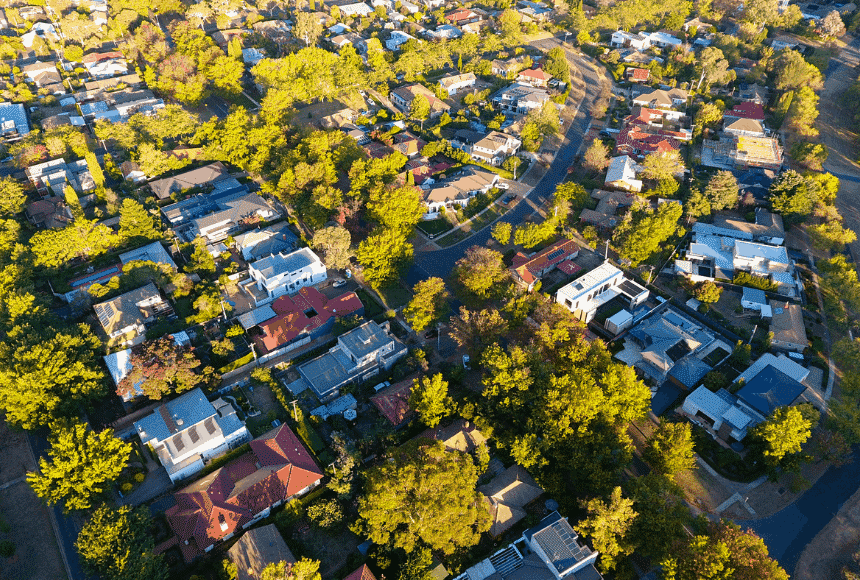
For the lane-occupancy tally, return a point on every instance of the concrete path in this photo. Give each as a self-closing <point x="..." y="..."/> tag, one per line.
<point x="13" y="482"/>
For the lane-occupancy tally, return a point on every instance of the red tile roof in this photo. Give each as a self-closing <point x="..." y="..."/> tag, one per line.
<point x="643" y="116"/>
<point x="569" y="267"/>
<point x="292" y="319"/>
<point x="100" y="56"/>
<point x="639" y="74"/>
<point x="362" y="573"/>
<point x="529" y="269"/>
<point x="632" y="139"/>
<point x="393" y="402"/>
<point x="277" y="468"/>
<point x="747" y="110"/>
<point x="536" y="73"/>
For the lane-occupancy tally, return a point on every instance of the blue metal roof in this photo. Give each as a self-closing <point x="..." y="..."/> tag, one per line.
<point x="769" y="389"/>
<point x="15" y="112"/>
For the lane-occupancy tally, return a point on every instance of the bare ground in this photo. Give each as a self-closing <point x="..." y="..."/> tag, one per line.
<point x="37" y="556"/>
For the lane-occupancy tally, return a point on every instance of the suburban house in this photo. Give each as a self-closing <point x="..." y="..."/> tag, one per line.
<point x="53" y="177"/>
<point x="460" y="435"/>
<point x="359" y="354"/>
<point x="535" y="77"/>
<point x="402" y="98"/>
<point x="733" y="151"/>
<point x="589" y="292"/>
<point x="635" y="142"/>
<point x="362" y="573"/>
<point x="768" y="228"/>
<point x="281" y="274"/>
<point x="200" y="177"/>
<point x="662" y="99"/>
<point x="622" y="174"/>
<point x="13" y="122"/>
<point x="392" y="402"/>
<point x="508" y="68"/>
<point x="786" y="324"/>
<point x="276" y="469"/>
<point x="769" y="383"/>
<point x="454" y="84"/>
<point x="397" y="39"/>
<point x="50" y="213"/>
<point x="152" y="252"/>
<point x="43" y="75"/>
<point x="255" y="244"/>
<point x="745" y="110"/>
<point x="608" y="204"/>
<point x="755" y="299"/>
<point x="494" y="148"/>
<point x="188" y="431"/>
<point x="128" y="313"/>
<point x="624" y="39"/>
<point x="745" y="128"/>
<point x="302" y="317"/>
<point x="217" y="214"/>
<point x="666" y="345"/>
<point x="528" y="270"/>
<point x="533" y="11"/>
<point x="102" y="65"/>
<point x="752" y="92"/>
<point x="712" y="256"/>
<point x="458" y="189"/>
<point x="508" y="494"/>
<point x="637" y="75"/>
<point x="256" y="549"/>
<point x="520" y="98"/>
<point x="131" y="171"/>
<point x="462" y="16"/>
<point x="354" y="9"/>
<point x="551" y="550"/>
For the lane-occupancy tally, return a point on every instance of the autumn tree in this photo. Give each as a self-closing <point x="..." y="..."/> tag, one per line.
<point x="596" y="157"/>
<point x="160" y="367"/>
<point x="82" y="466"/>
<point x="725" y="551"/>
<point x="481" y="273"/>
<point x="383" y="255"/>
<point x="475" y="330"/>
<point x="430" y="399"/>
<point x="670" y="450"/>
<point x="334" y="242"/>
<point x="304" y="569"/>
<point x="722" y="191"/>
<point x="428" y="305"/>
<point x="437" y="504"/>
<point x="832" y="26"/>
<point x="116" y="544"/>
<point x="608" y="524"/>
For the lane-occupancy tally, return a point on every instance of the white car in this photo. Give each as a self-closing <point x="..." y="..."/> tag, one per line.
<point x="340" y="282"/>
<point x="503" y="185"/>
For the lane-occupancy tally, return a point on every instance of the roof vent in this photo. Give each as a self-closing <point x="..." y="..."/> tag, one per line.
<point x="179" y="422"/>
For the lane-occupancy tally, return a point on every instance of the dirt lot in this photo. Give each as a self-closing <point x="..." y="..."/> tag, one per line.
<point x="25" y="517"/>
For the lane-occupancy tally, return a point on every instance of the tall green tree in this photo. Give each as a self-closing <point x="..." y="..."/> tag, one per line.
<point x="83" y="464"/>
<point x="419" y="108"/>
<point x="502" y="232"/>
<point x="201" y="261"/>
<point x="722" y="191"/>
<point x="784" y="433"/>
<point x="428" y="305"/>
<point x="116" y="545"/>
<point x="136" y="223"/>
<point x="304" y="569"/>
<point x="791" y="195"/>
<point x="433" y="504"/>
<point x="397" y="209"/>
<point x="659" y="501"/>
<point x="639" y="236"/>
<point x="475" y="330"/>
<point x="660" y="166"/>
<point x="383" y="255"/>
<point x="430" y="399"/>
<point x="481" y="273"/>
<point x="509" y="22"/>
<point x="608" y="524"/>
<point x="12" y="197"/>
<point x="670" y="450"/>
<point x="334" y="242"/>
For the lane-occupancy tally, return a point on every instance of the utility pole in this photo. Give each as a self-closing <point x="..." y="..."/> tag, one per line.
<point x="295" y="413"/>
<point x="606" y="251"/>
<point x="438" y="336"/>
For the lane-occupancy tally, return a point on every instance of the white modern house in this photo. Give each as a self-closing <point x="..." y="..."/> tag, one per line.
<point x="457" y="190"/>
<point x="454" y="84"/>
<point x="622" y="174"/>
<point x="189" y="430"/>
<point x="495" y="147"/>
<point x="281" y="274"/>
<point x="397" y="39"/>
<point x="587" y="293"/>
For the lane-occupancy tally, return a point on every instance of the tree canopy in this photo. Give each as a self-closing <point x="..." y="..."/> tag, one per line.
<point x="428" y="305"/>
<point x="160" y="367"/>
<point x="430" y="399"/>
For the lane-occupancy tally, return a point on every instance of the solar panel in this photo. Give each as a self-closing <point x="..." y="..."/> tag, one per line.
<point x="210" y="425"/>
<point x="105" y="312"/>
<point x="193" y="434"/>
<point x="555" y="254"/>
<point x="178" y="442"/>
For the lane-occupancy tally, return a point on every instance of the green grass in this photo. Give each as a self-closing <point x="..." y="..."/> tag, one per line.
<point x="395" y="296"/>
<point x="476" y="225"/>
<point x="372" y="307"/>
<point x="435" y="227"/>
<point x="716" y="356"/>
<point x="309" y="435"/>
<point x="237" y="363"/>
<point x="820" y="57"/>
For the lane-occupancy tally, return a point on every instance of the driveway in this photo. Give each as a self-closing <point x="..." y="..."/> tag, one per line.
<point x="440" y="262"/>
<point x="157" y="483"/>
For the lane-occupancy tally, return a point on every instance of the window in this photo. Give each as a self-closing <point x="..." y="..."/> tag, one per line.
<point x="568" y="303"/>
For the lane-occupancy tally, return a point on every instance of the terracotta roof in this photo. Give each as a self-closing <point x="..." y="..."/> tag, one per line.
<point x="362" y="573"/>
<point x="643" y="116"/>
<point x="529" y="269"/>
<point x="293" y="318"/>
<point x="393" y="402"/>
<point x="747" y="110"/>
<point x="634" y="138"/>
<point x="100" y="56"/>
<point x="277" y="467"/>
<point x="639" y="74"/>
<point x="536" y="73"/>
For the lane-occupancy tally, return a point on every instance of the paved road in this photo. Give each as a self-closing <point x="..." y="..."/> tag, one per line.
<point x="787" y="532"/>
<point x="440" y="262"/>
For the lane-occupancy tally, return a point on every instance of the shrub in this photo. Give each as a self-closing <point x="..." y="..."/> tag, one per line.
<point x="126" y="487"/>
<point x="139" y="477"/>
<point x="7" y="549"/>
<point x="326" y="514"/>
<point x="752" y="281"/>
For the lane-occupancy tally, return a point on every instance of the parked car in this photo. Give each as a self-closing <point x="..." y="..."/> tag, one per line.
<point x="381" y="386"/>
<point x="508" y="199"/>
<point x="339" y="283"/>
<point x="467" y="362"/>
<point x="503" y="185"/>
